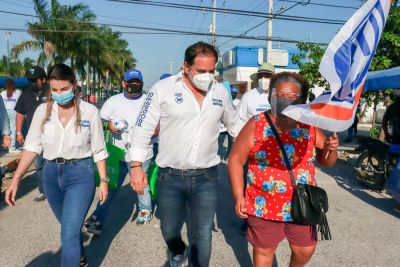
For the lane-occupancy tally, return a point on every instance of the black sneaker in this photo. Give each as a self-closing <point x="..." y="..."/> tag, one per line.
<point x="39" y="198"/>
<point x="95" y="228"/>
<point x="90" y="220"/>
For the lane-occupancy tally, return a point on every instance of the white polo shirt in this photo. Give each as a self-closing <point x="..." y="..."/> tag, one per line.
<point x="188" y="136"/>
<point x="253" y="102"/>
<point x="10" y="102"/>
<point x="58" y="142"/>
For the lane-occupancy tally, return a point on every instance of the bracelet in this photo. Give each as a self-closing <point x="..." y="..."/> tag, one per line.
<point x="19" y="133"/>
<point x="136" y="166"/>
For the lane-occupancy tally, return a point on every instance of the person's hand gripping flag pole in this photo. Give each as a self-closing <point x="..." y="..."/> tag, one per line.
<point x="345" y="65"/>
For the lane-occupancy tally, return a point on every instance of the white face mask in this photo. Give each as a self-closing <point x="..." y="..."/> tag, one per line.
<point x="202" y="81"/>
<point x="263" y="83"/>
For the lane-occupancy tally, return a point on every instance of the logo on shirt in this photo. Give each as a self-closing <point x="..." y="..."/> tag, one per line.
<point x="84" y="123"/>
<point x="145" y="109"/>
<point x="262" y="108"/>
<point x="217" y="102"/>
<point x="178" y="98"/>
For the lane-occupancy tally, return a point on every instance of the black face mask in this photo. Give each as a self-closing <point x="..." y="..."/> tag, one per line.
<point x="134" y="88"/>
<point x="34" y="86"/>
<point x="279" y="105"/>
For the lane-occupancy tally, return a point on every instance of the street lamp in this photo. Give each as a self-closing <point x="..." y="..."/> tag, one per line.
<point x="8" y="36"/>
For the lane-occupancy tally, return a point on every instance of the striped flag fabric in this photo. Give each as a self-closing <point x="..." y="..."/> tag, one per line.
<point x="345" y="66"/>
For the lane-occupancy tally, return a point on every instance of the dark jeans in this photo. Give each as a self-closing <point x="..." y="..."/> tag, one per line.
<point x="39" y="161"/>
<point x="194" y="191"/>
<point x="70" y="189"/>
<point x="352" y="131"/>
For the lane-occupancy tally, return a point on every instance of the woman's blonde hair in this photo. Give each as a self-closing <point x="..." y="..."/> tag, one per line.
<point x="62" y="72"/>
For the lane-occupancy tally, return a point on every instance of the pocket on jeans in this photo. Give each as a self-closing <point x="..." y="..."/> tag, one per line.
<point x="161" y="175"/>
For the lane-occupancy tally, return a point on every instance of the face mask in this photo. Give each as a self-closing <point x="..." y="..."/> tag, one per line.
<point x="202" y="81"/>
<point x="64" y="98"/>
<point x="278" y="105"/>
<point x="134" y="88"/>
<point x="34" y="86"/>
<point x="263" y="83"/>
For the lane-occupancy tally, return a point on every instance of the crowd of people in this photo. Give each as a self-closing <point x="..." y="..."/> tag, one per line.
<point x="182" y="115"/>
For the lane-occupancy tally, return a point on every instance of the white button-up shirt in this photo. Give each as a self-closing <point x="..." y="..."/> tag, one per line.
<point x="253" y="102"/>
<point x="188" y="137"/>
<point x="58" y="142"/>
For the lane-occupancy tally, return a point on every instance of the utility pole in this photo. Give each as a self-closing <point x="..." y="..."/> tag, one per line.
<point x="8" y="36"/>
<point x="170" y="66"/>
<point x="269" y="30"/>
<point x="88" y="91"/>
<point x="213" y="27"/>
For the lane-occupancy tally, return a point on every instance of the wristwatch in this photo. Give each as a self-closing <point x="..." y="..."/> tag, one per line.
<point x="104" y="180"/>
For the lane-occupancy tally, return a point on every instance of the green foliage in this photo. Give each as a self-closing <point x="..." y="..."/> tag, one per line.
<point x="374" y="132"/>
<point x="67" y="33"/>
<point x="309" y="60"/>
<point x="15" y="67"/>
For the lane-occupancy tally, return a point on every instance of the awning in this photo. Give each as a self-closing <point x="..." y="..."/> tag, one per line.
<point x="383" y="79"/>
<point x="20" y="82"/>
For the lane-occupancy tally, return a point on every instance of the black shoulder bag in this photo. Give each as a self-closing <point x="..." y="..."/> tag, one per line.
<point x="309" y="203"/>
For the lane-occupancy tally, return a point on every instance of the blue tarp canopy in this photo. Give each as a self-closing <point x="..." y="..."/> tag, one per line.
<point x="20" y="82"/>
<point x="383" y="79"/>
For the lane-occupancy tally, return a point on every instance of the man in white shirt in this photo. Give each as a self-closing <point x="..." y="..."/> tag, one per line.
<point x="256" y="100"/>
<point x="189" y="107"/>
<point x="121" y="112"/>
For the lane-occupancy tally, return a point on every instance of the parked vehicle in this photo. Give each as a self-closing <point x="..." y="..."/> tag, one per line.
<point x="375" y="163"/>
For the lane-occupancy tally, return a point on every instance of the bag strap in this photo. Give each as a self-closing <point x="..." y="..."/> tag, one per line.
<point x="281" y="146"/>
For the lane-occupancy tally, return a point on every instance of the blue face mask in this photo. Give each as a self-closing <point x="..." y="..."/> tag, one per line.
<point x="64" y="98"/>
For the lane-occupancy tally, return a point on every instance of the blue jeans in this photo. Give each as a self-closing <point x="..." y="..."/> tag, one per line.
<point x="393" y="182"/>
<point x="12" y="114"/>
<point x="70" y="189"/>
<point x="39" y="161"/>
<point x="195" y="192"/>
<point x="144" y="200"/>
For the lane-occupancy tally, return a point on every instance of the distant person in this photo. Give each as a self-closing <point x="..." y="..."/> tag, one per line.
<point x="392" y="118"/>
<point x="268" y="197"/>
<point x="4" y="127"/>
<point x="165" y="76"/>
<point x="10" y="96"/>
<point x="69" y="133"/>
<point x="352" y="131"/>
<point x="121" y="112"/>
<point x="235" y="100"/>
<point x="188" y="107"/>
<point x="36" y="94"/>
<point x="256" y="100"/>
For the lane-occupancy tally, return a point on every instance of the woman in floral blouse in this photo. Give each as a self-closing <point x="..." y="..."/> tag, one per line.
<point x="267" y="199"/>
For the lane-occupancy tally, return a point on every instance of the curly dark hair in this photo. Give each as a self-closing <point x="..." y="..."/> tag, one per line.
<point x="287" y="76"/>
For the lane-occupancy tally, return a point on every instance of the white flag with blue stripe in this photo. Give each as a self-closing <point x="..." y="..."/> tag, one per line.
<point x="345" y="65"/>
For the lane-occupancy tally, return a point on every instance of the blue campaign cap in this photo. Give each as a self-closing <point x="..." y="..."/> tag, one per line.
<point x="133" y="74"/>
<point x="234" y="90"/>
<point x="165" y="75"/>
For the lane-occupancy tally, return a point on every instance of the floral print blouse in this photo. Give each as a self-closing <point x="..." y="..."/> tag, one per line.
<point x="269" y="189"/>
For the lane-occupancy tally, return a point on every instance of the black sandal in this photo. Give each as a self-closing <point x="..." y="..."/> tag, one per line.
<point x="83" y="262"/>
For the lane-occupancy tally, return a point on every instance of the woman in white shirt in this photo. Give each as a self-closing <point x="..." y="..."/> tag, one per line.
<point x="70" y="134"/>
<point x="10" y="97"/>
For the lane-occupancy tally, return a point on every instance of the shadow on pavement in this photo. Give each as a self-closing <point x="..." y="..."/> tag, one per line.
<point x="46" y="259"/>
<point x="28" y="184"/>
<point x="229" y="223"/>
<point x="118" y="216"/>
<point x="345" y="178"/>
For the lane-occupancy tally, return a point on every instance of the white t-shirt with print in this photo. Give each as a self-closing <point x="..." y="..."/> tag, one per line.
<point x="10" y="102"/>
<point x="120" y="107"/>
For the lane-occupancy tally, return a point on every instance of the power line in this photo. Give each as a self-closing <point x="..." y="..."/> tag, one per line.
<point x="164" y="31"/>
<point x="258" y="25"/>
<point x="233" y="11"/>
<point x="320" y="4"/>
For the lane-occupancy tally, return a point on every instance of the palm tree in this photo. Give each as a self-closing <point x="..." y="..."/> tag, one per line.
<point x="52" y="31"/>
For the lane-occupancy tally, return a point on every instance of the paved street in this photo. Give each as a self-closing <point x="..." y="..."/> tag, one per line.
<point x="365" y="228"/>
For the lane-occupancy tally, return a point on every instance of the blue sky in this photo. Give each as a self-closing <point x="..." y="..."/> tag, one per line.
<point x="154" y="52"/>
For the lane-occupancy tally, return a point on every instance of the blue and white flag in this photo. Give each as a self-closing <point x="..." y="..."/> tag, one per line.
<point x="345" y="65"/>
